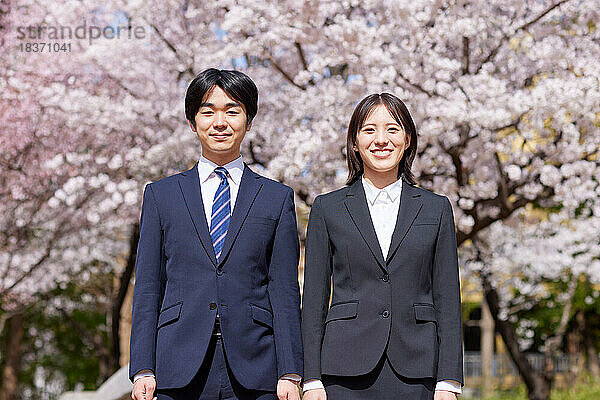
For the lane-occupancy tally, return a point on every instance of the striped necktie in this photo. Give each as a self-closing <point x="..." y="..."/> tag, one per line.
<point x="221" y="212"/>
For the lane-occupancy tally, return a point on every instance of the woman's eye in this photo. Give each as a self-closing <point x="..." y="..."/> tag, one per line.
<point x="393" y="130"/>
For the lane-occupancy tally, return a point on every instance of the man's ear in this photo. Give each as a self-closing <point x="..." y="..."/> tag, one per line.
<point x="248" y="127"/>
<point x="191" y="126"/>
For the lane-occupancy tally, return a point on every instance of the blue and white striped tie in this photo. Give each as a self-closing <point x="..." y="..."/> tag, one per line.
<point x="221" y="213"/>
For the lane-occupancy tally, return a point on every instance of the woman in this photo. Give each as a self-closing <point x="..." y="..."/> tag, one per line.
<point x="388" y="250"/>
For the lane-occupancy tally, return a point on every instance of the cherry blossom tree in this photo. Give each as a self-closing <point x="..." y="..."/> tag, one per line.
<point x="527" y="264"/>
<point x="67" y="194"/>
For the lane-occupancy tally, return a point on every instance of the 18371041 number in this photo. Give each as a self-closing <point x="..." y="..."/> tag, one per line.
<point x="36" y="47"/>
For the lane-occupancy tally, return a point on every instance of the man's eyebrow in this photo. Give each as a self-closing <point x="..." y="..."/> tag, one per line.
<point x="228" y="105"/>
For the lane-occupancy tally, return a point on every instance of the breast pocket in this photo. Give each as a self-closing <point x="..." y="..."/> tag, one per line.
<point x="251" y="219"/>
<point x="260" y="231"/>
<point x="426" y="221"/>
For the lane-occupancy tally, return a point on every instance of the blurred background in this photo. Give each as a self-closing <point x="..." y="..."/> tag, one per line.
<point x="505" y="95"/>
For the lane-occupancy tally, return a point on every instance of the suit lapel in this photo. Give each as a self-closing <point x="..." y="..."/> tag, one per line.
<point x="356" y="204"/>
<point x="410" y="205"/>
<point x="249" y="187"/>
<point x="189" y="183"/>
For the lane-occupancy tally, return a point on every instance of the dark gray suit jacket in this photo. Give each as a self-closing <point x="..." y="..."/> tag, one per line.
<point x="409" y="301"/>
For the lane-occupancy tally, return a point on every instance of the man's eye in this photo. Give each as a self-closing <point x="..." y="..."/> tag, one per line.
<point x="232" y="112"/>
<point x="207" y="112"/>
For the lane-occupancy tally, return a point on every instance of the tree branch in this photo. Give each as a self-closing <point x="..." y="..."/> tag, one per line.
<point x="303" y="60"/>
<point x="506" y="37"/>
<point x="416" y="85"/>
<point x="465" y="56"/>
<point x="555" y="340"/>
<point x="284" y="73"/>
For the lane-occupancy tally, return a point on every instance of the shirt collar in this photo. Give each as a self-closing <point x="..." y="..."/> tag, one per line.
<point x="393" y="190"/>
<point x="235" y="169"/>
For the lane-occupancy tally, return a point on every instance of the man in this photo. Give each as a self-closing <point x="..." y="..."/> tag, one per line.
<point x="216" y="311"/>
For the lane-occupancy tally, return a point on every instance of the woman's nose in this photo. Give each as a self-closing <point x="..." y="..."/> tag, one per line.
<point x="381" y="137"/>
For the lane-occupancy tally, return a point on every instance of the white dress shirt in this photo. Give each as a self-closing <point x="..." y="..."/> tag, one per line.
<point x="383" y="206"/>
<point x="209" y="182"/>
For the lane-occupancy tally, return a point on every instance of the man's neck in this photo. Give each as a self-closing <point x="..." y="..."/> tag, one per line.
<point x="220" y="160"/>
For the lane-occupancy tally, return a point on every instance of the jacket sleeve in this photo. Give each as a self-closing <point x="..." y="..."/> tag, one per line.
<point x="284" y="293"/>
<point x="147" y="294"/>
<point x="446" y="299"/>
<point x="317" y="289"/>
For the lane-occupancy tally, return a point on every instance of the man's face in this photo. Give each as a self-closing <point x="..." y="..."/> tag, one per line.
<point x="220" y="126"/>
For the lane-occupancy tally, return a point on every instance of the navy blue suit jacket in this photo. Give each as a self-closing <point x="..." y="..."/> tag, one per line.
<point x="180" y="286"/>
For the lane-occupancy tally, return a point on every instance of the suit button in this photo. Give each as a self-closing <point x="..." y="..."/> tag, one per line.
<point x="219" y="271"/>
<point x="385" y="278"/>
<point x="212" y="305"/>
<point x="385" y="314"/>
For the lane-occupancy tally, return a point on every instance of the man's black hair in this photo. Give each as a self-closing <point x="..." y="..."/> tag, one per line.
<point x="235" y="83"/>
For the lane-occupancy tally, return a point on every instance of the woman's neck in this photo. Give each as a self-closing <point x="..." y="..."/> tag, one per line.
<point x="381" y="179"/>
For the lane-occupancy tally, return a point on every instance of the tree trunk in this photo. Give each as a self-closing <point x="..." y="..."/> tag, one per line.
<point x="124" y="281"/>
<point x="537" y="387"/>
<point x="12" y="365"/>
<point x="592" y="352"/>
<point x="575" y="348"/>
<point x="487" y="350"/>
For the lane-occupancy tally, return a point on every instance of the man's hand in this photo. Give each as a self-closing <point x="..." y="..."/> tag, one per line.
<point x="143" y="389"/>
<point x="287" y="390"/>
<point x="444" y="395"/>
<point x="315" y="394"/>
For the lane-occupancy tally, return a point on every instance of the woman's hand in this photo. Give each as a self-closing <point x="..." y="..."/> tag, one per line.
<point x="315" y="394"/>
<point x="444" y="395"/>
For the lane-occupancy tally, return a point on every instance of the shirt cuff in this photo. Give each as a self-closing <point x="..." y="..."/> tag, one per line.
<point x="292" y="377"/>
<point x="312" y="384"/>
<point x="143" y="374"/>
<point x="449" y="386"/>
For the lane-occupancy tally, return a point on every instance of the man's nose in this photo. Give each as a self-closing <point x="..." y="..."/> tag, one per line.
<point x="220" y="121"/>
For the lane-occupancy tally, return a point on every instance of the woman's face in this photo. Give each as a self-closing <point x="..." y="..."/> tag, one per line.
<point x="381" y="142"/>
